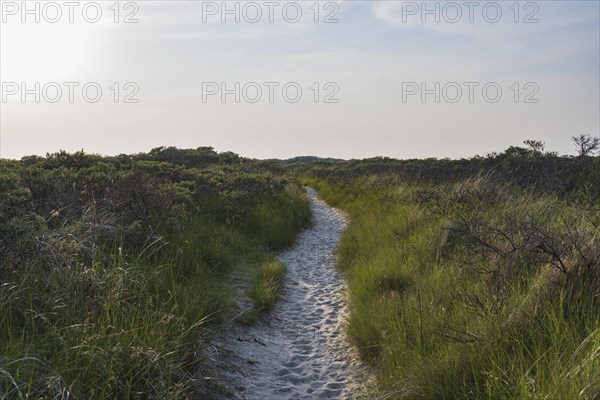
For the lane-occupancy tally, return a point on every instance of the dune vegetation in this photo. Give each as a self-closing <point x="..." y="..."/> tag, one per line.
<point x="266" y="286"/>
<point x="115" y="270"/>
<point x="476" y="278"/>
<point x="472" y="279"/>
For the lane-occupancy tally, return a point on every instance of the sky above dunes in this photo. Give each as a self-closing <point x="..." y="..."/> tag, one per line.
<point x="347" y="79"/>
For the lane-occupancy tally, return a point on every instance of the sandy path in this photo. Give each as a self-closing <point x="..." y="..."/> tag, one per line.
<point x="300" y="351"/>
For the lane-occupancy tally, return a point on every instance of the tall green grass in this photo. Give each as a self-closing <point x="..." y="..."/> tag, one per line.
<point x="131" y="325"/>
<point x="264" y="290"/>
<point x="277" y="222"/>
<point x="457" y="290"/>
<point x="278" y="229"/>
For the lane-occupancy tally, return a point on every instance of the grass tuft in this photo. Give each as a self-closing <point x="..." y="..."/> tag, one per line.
<point x="267" y="284"/>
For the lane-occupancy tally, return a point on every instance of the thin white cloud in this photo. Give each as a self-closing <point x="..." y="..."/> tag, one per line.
<point x="551" y="16"/>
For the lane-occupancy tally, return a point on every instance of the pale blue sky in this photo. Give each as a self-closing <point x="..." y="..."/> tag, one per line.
<point x="369" y="54"/>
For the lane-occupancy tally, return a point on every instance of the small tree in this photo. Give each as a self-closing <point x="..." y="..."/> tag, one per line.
<point x="536" y="146"/>
<point x="586" y="145"/>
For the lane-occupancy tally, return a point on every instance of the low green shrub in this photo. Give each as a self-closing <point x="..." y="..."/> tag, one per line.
<point x="115" y="269"/>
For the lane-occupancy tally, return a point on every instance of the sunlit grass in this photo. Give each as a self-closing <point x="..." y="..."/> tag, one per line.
<point x="442" y="316"/>
<point x="264" y="290"/>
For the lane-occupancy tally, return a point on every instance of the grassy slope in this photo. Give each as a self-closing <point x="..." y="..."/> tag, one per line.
<point x="453" y="297"/>
<point x="94" y="318"/>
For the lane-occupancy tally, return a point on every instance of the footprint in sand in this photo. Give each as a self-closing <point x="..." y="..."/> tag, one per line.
<point x="300" y="351"/>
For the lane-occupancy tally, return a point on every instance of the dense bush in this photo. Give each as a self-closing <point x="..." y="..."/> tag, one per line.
<point x="572" y="177"/>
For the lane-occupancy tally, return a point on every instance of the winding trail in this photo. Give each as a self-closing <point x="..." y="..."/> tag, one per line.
<point x="300" y="351"/>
